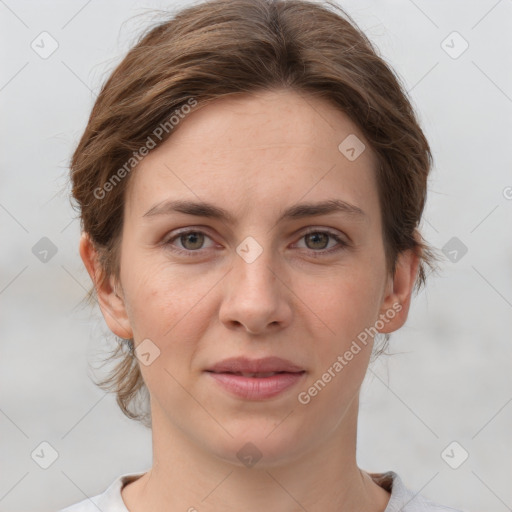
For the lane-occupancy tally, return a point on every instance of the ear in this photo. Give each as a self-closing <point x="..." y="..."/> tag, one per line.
<point x="395" y="306"/>
<point x="111" y="304"/>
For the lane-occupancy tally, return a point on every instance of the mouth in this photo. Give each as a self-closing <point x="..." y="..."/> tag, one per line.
<point x="252" y="375"/>
<point x="256" y="386"/>
<point x="266" y="366"/>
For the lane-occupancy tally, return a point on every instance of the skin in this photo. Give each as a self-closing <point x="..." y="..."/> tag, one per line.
<point x="253" y="155"/>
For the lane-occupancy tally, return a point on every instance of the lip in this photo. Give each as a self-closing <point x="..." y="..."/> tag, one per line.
<point x="263" y="365"/>
<point x="228" y="374"/>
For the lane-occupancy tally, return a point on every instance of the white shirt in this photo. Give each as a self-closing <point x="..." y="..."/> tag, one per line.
<point x="402" y="499"/>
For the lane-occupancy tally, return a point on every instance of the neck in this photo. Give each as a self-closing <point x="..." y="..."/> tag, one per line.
<point x="186" y="477"/>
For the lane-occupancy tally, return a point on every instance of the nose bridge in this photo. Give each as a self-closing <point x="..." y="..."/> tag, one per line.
<point x="253" y="264"/>
<point x="254" y="297"/>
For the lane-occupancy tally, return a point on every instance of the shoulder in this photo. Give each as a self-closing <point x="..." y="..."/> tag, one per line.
<point x="87" y="505"/>
<point x="81" y="506"/>
<point x="108" y="501"/>
<point x="404" y="499"/>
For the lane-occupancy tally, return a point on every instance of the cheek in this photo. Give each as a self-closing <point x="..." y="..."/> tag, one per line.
<point x="347" y="302"/>
<point x="347" y="306"/>
<point x="167" y="305"/>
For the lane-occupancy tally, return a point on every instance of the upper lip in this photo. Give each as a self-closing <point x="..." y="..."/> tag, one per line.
<point x="246" y="365"/>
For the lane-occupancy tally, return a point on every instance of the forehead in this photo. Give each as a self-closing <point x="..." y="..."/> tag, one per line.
<point x="258" y="148"/>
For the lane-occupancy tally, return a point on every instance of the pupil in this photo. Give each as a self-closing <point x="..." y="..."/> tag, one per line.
<point x="316" y="235"/>
<point x="192" y="237"/>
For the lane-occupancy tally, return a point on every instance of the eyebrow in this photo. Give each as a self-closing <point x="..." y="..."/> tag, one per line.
<point x="297" y="211"/>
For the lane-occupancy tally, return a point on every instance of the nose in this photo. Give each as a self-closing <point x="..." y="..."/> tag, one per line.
<point x="256" y="298"/>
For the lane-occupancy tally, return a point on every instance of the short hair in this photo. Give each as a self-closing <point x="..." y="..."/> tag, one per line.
<point x="225" y="48"/>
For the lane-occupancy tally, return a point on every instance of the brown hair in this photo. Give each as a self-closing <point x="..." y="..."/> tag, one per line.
<point x="226" y="47"/>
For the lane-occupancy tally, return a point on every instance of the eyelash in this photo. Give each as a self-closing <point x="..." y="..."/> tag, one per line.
<point x="315" y="254"/>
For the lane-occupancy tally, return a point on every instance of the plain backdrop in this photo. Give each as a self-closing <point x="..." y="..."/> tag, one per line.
<point x="450" y="380"/>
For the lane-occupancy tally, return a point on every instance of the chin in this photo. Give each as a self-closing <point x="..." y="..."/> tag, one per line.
<point x="260" y="445"/>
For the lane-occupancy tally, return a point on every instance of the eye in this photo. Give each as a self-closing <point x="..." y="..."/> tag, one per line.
<point x="318" y="240"/>
<point x="191" y="241"/>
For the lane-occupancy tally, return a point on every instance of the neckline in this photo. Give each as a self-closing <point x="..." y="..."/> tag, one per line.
<point x="388" y="480"/>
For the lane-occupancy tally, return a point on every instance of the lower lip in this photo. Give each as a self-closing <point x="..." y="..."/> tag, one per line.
<point x="257" y="388"/>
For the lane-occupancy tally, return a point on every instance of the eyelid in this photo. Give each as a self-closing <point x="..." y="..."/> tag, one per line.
<point x="184" y="231"/>
<point x="342" y="242"/>
<point x="323" y="229"/>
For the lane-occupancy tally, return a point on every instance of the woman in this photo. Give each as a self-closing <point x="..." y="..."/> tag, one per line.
<point x="250" y="183"/>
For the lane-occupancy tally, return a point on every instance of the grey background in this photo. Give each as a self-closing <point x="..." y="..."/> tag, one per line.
<point x="450" y="379"/>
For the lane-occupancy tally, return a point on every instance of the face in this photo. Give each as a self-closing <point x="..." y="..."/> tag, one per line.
<point x="269" y="279"/>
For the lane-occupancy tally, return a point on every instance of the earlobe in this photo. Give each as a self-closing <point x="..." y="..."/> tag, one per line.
<point x="112" y="305"/>
<point x="396" y="303"/>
